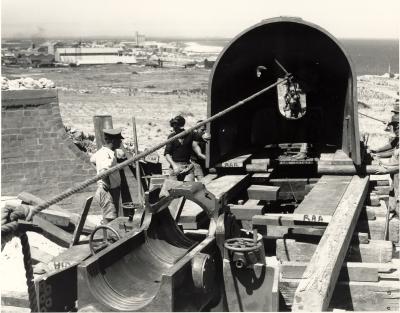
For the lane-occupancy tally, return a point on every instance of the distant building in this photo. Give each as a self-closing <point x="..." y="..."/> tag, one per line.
<point x="85" y="55"/>
<point x="35" y="59"/>
<point x="140" y="39"/>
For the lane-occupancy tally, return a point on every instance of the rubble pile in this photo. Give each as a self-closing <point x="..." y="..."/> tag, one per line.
<point x="26" y="83"/>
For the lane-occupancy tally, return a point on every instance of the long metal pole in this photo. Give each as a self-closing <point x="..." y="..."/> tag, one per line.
<point x="80" y="186"/>
<point x="138" y="178"/>
<point x="372" y="118"/>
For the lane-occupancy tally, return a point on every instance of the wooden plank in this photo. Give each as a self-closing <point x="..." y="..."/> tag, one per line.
<point x="374" y="200"/>
<point x="257" y="168"/>
<point x="292" y="220"/>
<point x="56" y="217"/>
<point x="374" y="228"/>
<point x="260" y="178"/>
<point x="374" y="251"/>
<point x="350" y="271"/>
<point x="261" y="192"/>
<point x="341" y="158"/>
<point x="384" y="179"/>
<point x="394" y="230"/>
<point x="55" y="214"/>
<point x="88" y="227"/>
<point x="208" y="178"/>
<point x="260" y="161"/>
<point x="226" y="187"/>
<point x="14" y="298"/>
<point x="191" y="212"/>
<point x="382" y="190"/>
<point x="361" y="296"/>
<point x="39" y="255"/>
<point x="324" y="198"/>
<point x="235" y="162"/>
<point x="52" y="232"/>
<point x="81" y="222"/>
<point x="245" y="212"/>
<point x="326" y="157"/>
<point x="315" y="290"/>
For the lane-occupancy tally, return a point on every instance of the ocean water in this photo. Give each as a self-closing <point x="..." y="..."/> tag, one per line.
<point x="369" y="56"/>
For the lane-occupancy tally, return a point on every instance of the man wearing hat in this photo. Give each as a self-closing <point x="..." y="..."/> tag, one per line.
<point x="387" y="150"/>
<point x="391" y="165"/>
<point x="179" y="151"/>
<point x="108" y="189"/>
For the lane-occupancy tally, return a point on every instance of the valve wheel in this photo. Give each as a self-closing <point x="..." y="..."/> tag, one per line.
<point x="105" y="243"/>
<point x="242" y="244"/>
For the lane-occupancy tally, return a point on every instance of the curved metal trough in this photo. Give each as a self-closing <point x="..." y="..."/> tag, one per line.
<point x="134" y="273"/>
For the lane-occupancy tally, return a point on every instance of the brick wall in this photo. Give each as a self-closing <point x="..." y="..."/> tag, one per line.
<point x="36" y="154"/>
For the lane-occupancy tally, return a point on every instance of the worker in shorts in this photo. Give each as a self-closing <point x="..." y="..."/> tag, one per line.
<point x="109" y="188"/>
<point x="199" y="163"/>
<point x="178" y="152"/>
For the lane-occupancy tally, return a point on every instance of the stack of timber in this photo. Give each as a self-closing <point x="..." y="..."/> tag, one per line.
<point x="336" y="251"/>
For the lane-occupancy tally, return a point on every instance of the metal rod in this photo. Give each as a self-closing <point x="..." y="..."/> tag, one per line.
<point x="80" y="186"/>
<point x="281" y="66"/>
<point x="372" y="118"/>
<point x="138" y="175"/>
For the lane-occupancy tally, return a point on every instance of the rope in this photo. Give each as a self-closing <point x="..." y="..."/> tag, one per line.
<point x="26" y="250"/>
<point x="83" y="185"/>
<point x="9" y="228"/>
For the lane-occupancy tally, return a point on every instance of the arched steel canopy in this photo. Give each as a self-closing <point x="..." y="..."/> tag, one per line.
<point x="320" y="65"/>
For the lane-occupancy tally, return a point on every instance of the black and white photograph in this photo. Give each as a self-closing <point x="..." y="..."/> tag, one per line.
<point x="201" y="156"/>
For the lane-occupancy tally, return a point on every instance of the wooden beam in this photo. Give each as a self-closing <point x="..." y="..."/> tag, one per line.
<point x="257" y="168"/>
<point x="375" y="228"/>
<point x="394" y="230"/>
<point x="350" y="271"/>
<point x="55" y="214"/>
<point x="325" y="197"/>
<point x="261" y="192"/>
<point x="382" y="190"/>
<point x="260" y="161"/>
<point x="260" y="178"/>
<point x="208" y="178"/>
<point x="316" y="288"/>
<point x="292" y="220"/>
<point x="39" y="255"/>
<point x="53" y="232"/>
<point x="226" y="187"/>
<point x="235" y="162"/>
<point x="373" y="251"/>
<point x="81" y="222"/>
<point x="245" y="212"/>
<point x="14" y="298"/>
<point x="382" y="296"/>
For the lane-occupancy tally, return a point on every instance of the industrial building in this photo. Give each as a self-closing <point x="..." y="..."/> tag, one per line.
<point x="100" y="55"/>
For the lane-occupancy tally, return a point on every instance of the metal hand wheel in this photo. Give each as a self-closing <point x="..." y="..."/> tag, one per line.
<point x="105" y="243"/>
<point x="242" y="244"/>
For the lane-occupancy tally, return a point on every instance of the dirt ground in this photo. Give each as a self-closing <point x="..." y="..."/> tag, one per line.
<point x="153" y="97"/>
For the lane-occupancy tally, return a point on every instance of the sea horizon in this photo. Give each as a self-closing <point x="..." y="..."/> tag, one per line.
<point x="369" y="56"/>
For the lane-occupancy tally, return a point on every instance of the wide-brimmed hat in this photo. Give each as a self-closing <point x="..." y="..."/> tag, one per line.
<point x="113" y="132"/>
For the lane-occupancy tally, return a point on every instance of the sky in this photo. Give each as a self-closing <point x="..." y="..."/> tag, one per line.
<point x="187" y="18"/>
